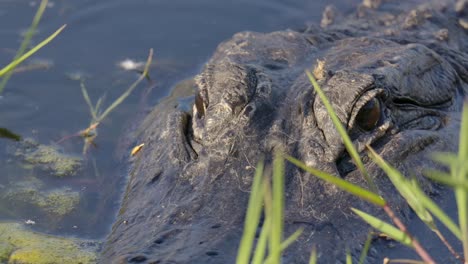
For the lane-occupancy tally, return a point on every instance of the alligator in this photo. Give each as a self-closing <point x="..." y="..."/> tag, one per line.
<point x="396" y="72"/>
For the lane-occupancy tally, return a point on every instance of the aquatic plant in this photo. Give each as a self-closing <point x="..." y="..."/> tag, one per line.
<point x="90" y="133"/>
<point x="21" y="54"/>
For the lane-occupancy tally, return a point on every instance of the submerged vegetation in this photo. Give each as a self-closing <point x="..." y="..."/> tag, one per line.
<point x="20" y="245"/>
<point x="423" y="206"/>
<point x="48" y="158"/>
<point x="55" y="203"/>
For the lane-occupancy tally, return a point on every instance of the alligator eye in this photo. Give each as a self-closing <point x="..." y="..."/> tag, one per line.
<point x="369" y="115"/>
<point x="200" y="105"/>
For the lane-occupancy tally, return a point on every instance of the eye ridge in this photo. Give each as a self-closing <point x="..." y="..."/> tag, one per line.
<point x="369" y="115"/>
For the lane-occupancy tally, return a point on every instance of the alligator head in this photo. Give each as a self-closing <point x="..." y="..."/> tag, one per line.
<point x="394" y="83"/>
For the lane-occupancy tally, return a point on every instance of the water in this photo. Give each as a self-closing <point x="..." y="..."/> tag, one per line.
<point x="47" y="105"/>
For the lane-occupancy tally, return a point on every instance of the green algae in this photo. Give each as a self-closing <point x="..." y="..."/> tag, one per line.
<point x="60" y="202"/>
<point x="48" y="158"/>
<point x="56" y="203"/>
<point x="21" y="246"/>
<point x="5" y="251"/>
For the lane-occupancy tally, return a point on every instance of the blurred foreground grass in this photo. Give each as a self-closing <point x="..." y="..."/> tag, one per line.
<point x="267" y="195"/>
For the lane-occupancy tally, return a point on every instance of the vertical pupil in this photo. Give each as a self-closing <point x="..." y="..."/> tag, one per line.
<point x="369" y="115"/>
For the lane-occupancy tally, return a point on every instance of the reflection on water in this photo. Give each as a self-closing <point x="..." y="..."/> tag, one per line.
<point x="46" y="104"/>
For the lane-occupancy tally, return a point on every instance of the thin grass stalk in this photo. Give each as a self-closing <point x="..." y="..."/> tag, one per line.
<point x="340" y="183"/>
<point x="384" y="227"/>
<point x="447" y="245"/>
<point x="365" y="248"/>
<point x="277" y="210"/>
<point x="97" y="109"/>
<point x="23" y="57"/>
<point x="403" y="261"/>
<point x="252" y="217"/>
<point x="443" y="218"/>
<point x="460" y="173"/>
<point x="119" y="100"/>
<point x="417" y="247"/>
<point x="349" y="258"/>
<point x="260" y="249"/>
<point x="448" y="158"/>
<point x="430" y="205"/>
<point x="286" y="243"/>
<point x="265" y="235"/>
<point x="446" y="179"/>
<point x="84" y="91"/>
<point x="313" y="255"/>
<point x="418" y="200"/>
<point x="27" y="39"/>
<point x="344" y="135"/>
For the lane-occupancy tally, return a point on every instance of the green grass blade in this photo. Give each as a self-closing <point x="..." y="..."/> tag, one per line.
<point x="23" y="57"/>
<point x="27" y="39"/>
<point x="277" y="210"/>
<point x="260" y="249"/>
<point x="119" y="100"/>
<point x="365" y="249"/>
<point x="436" y="211"/>
<point x="265" y="234"/>
<point x="445" y="178"/>
<point x="340" y="183"/>
<point x="404" y="186"/>
<point x="385" y="228"/>
<point x="313" y="256"/>
<point x="344" y="135"/>
<point x="88" y="102"/>
<point x="252" y="217"/>
<point x="446" y="158"/>
<point x="286" y="243"/>
<point x="460" y="173"/>
<point x="97" y="109"/>
<point x="349" y="258"/>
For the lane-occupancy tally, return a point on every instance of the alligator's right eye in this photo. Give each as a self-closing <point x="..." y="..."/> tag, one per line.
<point x="368" y="116"/>
<point x="200" y="105"/>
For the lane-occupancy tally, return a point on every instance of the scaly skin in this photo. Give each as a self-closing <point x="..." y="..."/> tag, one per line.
<point x="396" y="74"/>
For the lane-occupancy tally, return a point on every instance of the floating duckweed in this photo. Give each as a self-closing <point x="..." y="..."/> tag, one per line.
<point x="22" y="246"/>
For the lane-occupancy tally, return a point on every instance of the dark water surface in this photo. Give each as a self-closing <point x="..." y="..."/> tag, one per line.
<point x="47" y="105"/>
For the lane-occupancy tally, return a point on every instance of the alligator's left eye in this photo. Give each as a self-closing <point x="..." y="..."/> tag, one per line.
<point x="368" y="116"/>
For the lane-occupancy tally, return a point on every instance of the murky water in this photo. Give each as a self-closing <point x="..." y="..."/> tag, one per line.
<point x="46" y="104"/>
